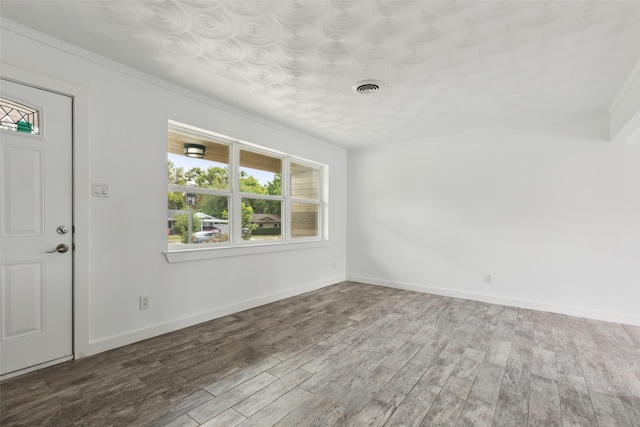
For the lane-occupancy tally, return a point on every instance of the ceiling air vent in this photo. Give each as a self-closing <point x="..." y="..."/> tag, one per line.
<point x="367" y="86"/>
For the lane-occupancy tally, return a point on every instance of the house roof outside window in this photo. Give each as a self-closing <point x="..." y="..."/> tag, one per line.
<point x="265" y="219"/>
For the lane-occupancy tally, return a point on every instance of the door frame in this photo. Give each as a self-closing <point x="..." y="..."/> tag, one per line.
<point x="81" y="191"/>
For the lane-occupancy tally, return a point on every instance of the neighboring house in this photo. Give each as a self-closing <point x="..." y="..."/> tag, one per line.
<point x="266" y="220"/>
<point x="207" y="222"/>
<point x="171" y="219"/>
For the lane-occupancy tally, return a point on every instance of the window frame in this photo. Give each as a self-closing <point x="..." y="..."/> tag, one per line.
<point x="243" y="195"/>
<point x="236" y="245"/>
<point x="319" y="203"/>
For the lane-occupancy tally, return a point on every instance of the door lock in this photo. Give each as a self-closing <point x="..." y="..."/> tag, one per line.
<point x="61" y="248"/>
<point x="62" y="229"/>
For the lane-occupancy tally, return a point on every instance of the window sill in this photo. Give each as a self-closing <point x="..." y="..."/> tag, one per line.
<point x="246" y="249"/>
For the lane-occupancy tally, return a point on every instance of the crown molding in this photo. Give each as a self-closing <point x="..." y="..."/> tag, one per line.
<point x="87" y="55"/>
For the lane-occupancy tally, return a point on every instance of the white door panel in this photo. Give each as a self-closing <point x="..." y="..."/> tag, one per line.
<point x="22" y="299"/>
<point x="35" y="198"/>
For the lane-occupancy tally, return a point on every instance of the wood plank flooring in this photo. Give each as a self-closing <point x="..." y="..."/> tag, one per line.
<point x="351" y="355"/>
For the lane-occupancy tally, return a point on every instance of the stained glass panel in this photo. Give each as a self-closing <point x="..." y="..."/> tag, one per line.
<point x="19" y="117"/>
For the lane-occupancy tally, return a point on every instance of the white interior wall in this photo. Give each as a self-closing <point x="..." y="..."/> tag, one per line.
<point x="624" y="111"/>
<point x="551" y="212"/>
<point x="125" y="124"/>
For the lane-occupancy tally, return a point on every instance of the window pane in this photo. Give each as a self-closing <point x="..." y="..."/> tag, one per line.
<point x="260" y="174"/>
<point x="208" y="215"/>
<point x="261" y="219"/>
<point x="304" y="219"/>
<point x="211" y="171"/>
<point x="18" y="117"/>
<point x="305" y="182"/>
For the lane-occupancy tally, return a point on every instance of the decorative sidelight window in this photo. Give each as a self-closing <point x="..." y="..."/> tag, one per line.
<point x="18" y="117"/>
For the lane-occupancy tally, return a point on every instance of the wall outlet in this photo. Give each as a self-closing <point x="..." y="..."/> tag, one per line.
<point x="487" y="278"/>
<point x="144" y="302"/>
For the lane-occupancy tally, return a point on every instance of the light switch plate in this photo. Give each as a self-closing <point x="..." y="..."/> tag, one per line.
<point x="100" y="190"/>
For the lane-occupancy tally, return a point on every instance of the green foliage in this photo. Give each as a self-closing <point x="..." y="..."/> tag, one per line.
<point x="175" y="201"/>
<point x="249" y="184"/>
<point x="265" y="206"/>
<point x="218" y="206"/>
<point x="212" y="205"/>
<point x="214" y="177"/>
<point x="275" y="187"/>
<point x="176" y="175"/>
<point x="247" y="216"/>
<point x="267" y="231"/>
<point x="182" y="226"/>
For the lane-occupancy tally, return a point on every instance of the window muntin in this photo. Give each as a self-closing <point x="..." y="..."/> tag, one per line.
<point x="19" y="117"/>
<point x="256" y="195"/>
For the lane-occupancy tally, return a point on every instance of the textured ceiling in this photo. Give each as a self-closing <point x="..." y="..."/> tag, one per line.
<point x="448" y="67"/>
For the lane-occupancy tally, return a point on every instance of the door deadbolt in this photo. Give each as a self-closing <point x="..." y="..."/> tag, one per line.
<point x="63" y="229"/>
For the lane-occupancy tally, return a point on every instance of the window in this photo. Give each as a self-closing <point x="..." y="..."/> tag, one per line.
<point x="18" y="117"/>
<point x="305" y="200"/>
<point x="261" y="190"/>
<point x="199" y="190"/>
<point x="228" y="193"/>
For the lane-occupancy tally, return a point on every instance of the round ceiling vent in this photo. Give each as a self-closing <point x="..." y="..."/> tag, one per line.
<point x="368" y="86"/>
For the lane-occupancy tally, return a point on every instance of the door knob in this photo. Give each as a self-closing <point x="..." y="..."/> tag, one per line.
<point x="61" y="248"/>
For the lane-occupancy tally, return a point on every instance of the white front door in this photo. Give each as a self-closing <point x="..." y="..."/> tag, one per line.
<point x="35" y="227"/>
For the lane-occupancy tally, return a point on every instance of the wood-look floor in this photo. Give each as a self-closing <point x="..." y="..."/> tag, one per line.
<point x="351" y="354"/>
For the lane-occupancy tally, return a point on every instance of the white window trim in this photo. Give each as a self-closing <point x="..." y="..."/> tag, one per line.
<point x="236" y="246"/>
<point x="212" y="252"/>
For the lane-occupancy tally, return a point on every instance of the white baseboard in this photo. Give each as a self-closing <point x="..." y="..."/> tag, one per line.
<point x="174" y="325"/>
<point x="513" y="302"/>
